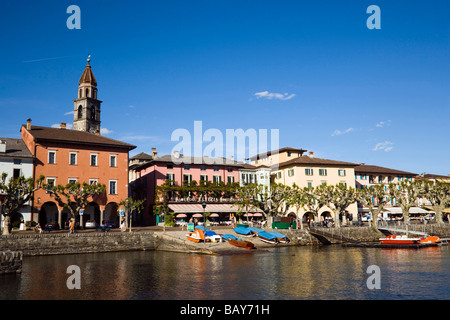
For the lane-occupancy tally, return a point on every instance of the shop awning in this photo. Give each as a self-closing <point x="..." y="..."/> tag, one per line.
<point x="197" y="208"/>
<point x="413" y="210"/>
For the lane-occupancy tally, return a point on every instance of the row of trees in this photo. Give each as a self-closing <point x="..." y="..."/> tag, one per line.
<point x="279" y="198"/>
<point x="16" y="193"/>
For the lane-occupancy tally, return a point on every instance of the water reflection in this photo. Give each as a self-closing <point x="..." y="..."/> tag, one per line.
<point x="330" y="272"/>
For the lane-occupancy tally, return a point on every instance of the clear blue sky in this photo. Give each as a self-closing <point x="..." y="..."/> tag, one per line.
<point x="339" y="89"/>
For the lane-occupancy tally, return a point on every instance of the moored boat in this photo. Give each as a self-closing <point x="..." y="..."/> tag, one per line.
<point x="393" y="239"/>
<point x="281" y="237"/>
<point x="255" y="230"/>
<point x="430" y="239"/>
<point x="241" y="243"/>
<point x="195" y="236"/>
<point x="267" y="237"/>
<point x="245" y="232"/>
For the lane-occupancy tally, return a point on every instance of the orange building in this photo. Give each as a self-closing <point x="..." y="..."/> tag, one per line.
<point x="63" y="155"/>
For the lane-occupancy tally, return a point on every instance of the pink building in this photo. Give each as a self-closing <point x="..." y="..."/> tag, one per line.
<point x="156" y="171"/>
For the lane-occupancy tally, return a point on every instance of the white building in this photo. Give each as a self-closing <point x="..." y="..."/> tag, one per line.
<point x="16" y="160"/>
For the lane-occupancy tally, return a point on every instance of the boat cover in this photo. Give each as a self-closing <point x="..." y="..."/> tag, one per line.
<point x="267" y="235"/>
<point x="242" y="230"/>
<point x="279" y="235"/>
<point x="229" y="236"/>
<point x="255" y="230"/>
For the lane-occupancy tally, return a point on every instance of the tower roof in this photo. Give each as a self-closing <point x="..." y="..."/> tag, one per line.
<point x="88" y="75"/>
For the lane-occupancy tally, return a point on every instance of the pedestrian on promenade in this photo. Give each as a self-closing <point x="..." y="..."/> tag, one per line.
<point x="72" y="226"/>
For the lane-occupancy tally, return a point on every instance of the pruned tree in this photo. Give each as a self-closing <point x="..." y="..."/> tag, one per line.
<point x="438" y="194"/>
<point x="406" y="193"/>
<point x="74" y="196"/>
<point x="15" y="194"/>
<point x="338" y="198"/>
<point x="375" y="198"/>
<point x="131" y="205"/>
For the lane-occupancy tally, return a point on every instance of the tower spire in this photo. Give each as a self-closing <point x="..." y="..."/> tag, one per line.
<point x="87" y="106"/>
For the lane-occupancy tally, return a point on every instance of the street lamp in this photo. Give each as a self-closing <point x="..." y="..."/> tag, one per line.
<point x="204" y="225"/>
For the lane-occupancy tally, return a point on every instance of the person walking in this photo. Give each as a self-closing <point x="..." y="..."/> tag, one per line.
<point x="72" y="226"/>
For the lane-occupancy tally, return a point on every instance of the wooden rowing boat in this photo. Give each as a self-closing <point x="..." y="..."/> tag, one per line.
<point x="241" y="243"/>
<point x="267" y="237"/>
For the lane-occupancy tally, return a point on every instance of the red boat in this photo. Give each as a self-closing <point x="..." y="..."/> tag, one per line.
<point x="393" y="239"/>
<point x="430" y="240"/>
<point x="241" y="243"/>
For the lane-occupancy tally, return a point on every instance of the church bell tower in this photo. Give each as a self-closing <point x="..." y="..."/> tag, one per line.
<point x="86" y="116"/>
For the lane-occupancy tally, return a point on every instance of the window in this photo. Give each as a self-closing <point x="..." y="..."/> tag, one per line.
<point x="230" y="179"/>
<point x="112" y="186"/>
<point x="93" y="181"/>
<point x="72" y="158"/>
<point x="187" y="178"/>
<point x="186" y="167"/>
<point x="217" y="179"/>
<point x="203" y="177"/>
<point x="16" y="173"/>
<point x="309" y="172"/>
<point x="51" y="182"/>
<point x="170" y="166"/>
<point x="72" y="180"/>
<point x="288" y="153"/>
<point x="87" y="92"/>
<point x="309" y="184"/>
<point x="290" y="172"/>
<point x="322" y="172"/>
<point x="278" y="175"/>
<point x="94" y="159"/>
<point x="92" y="113"/>
<point x="343" y="183"/>
<point x="17" y="161"/>
<point x="216" y="169"/>
<point x="341" y="172"/>
<point x="203" y="168"/>
<point x="113" y="160"/>
<point x="51" y="157"/>
<point x="230" y="169"/>
<point x="80" y="112"/>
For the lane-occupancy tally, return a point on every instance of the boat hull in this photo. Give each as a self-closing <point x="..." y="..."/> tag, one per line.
<point x="268" y="238"/>
<point x="242" y="244"/>
<point x="399" y="240"/>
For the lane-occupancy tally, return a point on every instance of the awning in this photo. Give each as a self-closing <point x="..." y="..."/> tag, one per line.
<point x="414" y="210"/>
<point x="197" y="208"/>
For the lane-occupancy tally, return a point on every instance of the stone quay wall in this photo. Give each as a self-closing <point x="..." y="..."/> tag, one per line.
<point x="65" y="243"/>
<point x="10" y="262"/>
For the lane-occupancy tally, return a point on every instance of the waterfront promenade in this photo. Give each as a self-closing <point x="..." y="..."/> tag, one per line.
<point x="169" y="239"/>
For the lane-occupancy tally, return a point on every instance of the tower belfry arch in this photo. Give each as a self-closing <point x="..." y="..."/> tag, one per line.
<point x="86" y="116"/>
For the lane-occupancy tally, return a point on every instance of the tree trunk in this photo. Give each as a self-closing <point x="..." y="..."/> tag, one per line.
<point x="6" y="225"/>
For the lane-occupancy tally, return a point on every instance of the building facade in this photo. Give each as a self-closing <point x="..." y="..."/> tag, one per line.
<point x="180" y="170"/>
<point x="309" y="171"/>
<point x="16" y="161"/>
<point x="81" y="155"/>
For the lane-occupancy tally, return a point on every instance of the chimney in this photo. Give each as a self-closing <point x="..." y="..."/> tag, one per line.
<point x="176" y="154"/>
<point x="311" y="154"/>
<point x="3" y="146"/>
<point x="97" y="132"/>
<point x="62" y="125"/>
<point x="28" y="124"/>
<point x="155" y="155"/>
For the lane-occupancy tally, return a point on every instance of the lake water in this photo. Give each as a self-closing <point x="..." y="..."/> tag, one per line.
<point x="286" y="273"/>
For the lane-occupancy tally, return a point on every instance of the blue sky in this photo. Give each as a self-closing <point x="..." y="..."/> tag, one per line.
<point x="311" y="69"/>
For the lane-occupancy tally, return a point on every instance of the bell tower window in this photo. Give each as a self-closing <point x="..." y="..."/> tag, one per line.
<point x="87" y="92"/>
<point x="80" y="112"/>
<point x="93" y="113"/>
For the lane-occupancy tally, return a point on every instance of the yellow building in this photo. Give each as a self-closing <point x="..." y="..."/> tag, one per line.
<point x="290" y="165"/>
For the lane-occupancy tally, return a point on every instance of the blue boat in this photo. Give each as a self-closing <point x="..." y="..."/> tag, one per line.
<point x="245" y="232"/>
<point x="255" y="230"/>
<point x="281" y="237"/>
<point x="229" y="236"/>
<point x="268" y="237"/>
